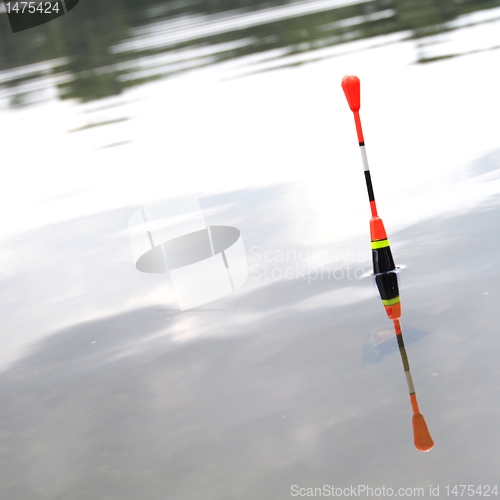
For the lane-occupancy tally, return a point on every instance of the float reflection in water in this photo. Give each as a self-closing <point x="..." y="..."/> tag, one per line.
<point x="384" y="269"/>
<point x="381" y="342"/>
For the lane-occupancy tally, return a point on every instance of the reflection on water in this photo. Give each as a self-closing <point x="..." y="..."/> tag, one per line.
<point x="265" y="390"/>
<point x="382" y="342"/>
<point x="103" y="48"/>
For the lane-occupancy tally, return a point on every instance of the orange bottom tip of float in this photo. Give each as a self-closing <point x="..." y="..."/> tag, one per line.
<point x="422" y="437"/>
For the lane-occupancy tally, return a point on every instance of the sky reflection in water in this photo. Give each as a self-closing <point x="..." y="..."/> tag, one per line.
<point x="262" y="389"/>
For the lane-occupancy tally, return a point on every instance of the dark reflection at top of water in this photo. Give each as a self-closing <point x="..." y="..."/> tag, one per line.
<point x="102" y="48"/>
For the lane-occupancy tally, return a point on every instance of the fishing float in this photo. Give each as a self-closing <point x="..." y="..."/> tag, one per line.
<point x="384" y="269"/>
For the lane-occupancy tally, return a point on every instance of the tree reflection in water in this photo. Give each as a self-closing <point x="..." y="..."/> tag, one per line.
<point x="83" y="52"/>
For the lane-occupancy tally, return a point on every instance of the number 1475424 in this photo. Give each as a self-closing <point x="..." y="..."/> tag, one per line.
<point x="32" y="7"/>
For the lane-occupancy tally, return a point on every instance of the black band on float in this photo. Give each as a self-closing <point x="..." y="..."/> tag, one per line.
<point x="382" y="260"/>
<point x="369" y="186"/>
<point x="387" y="285"/>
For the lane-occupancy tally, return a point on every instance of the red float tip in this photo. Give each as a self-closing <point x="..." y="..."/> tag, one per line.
<point x="351" y="87"/>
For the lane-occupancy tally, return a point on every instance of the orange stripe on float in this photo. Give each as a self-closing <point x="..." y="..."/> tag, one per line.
<point x="377" y="229"/>
<point x="414" y="404"/>
<point x="359" y="129"/>
<point x="394" y="313"/>
<point x="397" y="326"/>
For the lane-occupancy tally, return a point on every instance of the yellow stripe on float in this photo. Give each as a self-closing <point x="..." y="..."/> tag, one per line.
<point x="380" y="244"/>
<point x="391" y="302"/>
